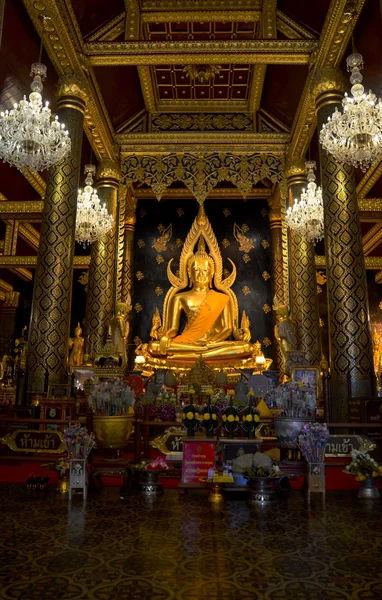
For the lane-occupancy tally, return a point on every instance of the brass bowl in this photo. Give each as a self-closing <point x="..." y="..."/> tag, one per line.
<point x="113" y="432"/>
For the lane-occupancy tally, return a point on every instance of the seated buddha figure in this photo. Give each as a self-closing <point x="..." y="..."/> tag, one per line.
<point x="210" y="315"/>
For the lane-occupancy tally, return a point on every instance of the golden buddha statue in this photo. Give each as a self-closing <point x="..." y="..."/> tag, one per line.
<point x="120" y="327"/>
<point x="210" y="308"/>
<point x="76" y="347"/>
<point x="376" y="351"/>
<point x="285" y="334"/>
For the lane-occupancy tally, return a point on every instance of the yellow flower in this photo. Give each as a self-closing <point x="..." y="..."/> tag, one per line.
<point x="183" y="415"/>
<point x="375" y="474"/>
<point x="209" y="392"/>
<point x="257" y="418"/>
<point x="237" y="418"/>
<point x="300" y="384"/>
<point x="191" y="391"/>
<point x="231" y="392"/>
<point x="206" y="416"/>
<point x="249" y="418"/>
<point x="213" y="417"/>
<point x="251" y="392"/>
<point x="190" y="415"/>
<point x="361" y="478"/>
<point x="231" y="418"/>
<point x="224" y="418"/>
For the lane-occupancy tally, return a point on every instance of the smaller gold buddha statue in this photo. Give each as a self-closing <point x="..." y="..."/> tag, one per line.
<point x="76" y="347"/>
<point x="119" y="328"/>
<point x="376" y="351"/>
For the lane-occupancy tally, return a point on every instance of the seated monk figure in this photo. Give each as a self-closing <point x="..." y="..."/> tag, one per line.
<point x="209" y="319"/>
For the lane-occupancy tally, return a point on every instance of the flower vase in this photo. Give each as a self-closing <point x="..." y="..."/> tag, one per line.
<point x="368" y="488"/>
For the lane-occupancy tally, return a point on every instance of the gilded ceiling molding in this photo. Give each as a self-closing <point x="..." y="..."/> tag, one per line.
<point x="204" y="5"/>
<point x="201" y="122"/>
<point x="290" y="28"/>
<point x="10" y="262"/>
<point x="64" y="45"/>
<point x="226" y="106"/>
<point x="369" y="179"/>
<point x="378" y="277"/>
<point x="203" y="16"/>
<point x="267" y="31"/>
<point x="200" y="52"/>
<point x="148" y="91"/>
<point x="372" y="239"/>
<point x="133" y="20"/>
<point x="29" y="234"/>
<point x="31" y="209"/>
<point x="369" y="205"/>
<point x="200" y="173"/>
<point x="373" y="263"/>
<point x="214" y="194"/>
<point x="337" y="31"/>
<point x="207" y="141"/>
<point x="36" y="181"/>
<point x="110" y="31"/>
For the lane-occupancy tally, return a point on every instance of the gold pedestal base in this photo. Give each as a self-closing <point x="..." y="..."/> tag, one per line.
<point x="216" y="496"/>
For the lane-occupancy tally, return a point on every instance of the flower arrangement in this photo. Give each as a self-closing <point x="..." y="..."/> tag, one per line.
<point x="208" y="417"/>
<point x="78" y="441"/>
<point x="111" y="398"/>
<point x="296" y="399"/>
<point x="363" y="465"/>
<point x="260" y="471"/>
<point x="220" y="401"/>
<point x="166" y="405"/>
<point x="230" y="416"/>
<point x="159" y="464"/>
<point x="312" y="442"/>
<point x="190" y="418"/>
<point x="250" y="417"/>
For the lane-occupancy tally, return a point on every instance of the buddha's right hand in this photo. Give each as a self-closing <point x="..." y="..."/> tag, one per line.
<point x="164" y="343"/>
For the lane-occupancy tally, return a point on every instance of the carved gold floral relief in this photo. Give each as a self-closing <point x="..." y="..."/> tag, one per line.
<point x="139" y="275"/>
<point x="180" y="212"/>
<point x="320" y="277"/>
<point x="158" y="291"/>
<point x="160" y="244"/>
<point x="264" y="213"/>
<point x="266" y="275"/>
<point x="138" y="307"/>
<point x="266" y="308"/>
<point x="141" y="244"/>
<point x="159" y="258"/>
<point x="137" y="340"/>
<point x="246" y="290"/>
<point x="225" y="243"/>
<point x="265" y="244"/>
<point x="226" y="212"/>
<point x="245" y="244"/>
<point x="267" y="342"/>
<point x="246" y="258"/>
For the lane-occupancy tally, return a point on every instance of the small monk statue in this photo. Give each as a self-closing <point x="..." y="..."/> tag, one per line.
<point x="284" y="332"/>
<point x="120" y="329"/>
<point x="76" y="347"/>
<point x="209" y="318"/>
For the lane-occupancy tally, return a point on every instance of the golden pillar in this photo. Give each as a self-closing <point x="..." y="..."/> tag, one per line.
<point x="349" y="329"/>
<point x="52" y="295"/>
<point x="128" y="260"/>
<point x="8" y="312"/>
<point x="278" y="283"/>
<point x="303" y="286"/>
<point x="100" y="303"/>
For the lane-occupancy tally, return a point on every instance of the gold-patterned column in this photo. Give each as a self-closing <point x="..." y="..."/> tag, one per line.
<point x="8" y="312"/>
<point x="128" y="260"/>
<point x="303" y="286"/>
<point x="278" y="283"/>
<point x="349" y="329"/>
<point x="100" y="303"/>
<point x="50" y="318"/>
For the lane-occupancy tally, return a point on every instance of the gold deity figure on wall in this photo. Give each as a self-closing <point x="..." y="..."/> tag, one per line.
<point x="209" y="306"/>
<point x="76" y="347"/>
<point x="119" y="328"/>
<point x="376" y="350"/>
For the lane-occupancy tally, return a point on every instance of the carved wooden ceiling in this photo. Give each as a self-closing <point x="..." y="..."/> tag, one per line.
<point x="135" y="54"/>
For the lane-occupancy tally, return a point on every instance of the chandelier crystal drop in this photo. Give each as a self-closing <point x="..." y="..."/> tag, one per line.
<point x="93" y="221"/>
<point x="30" y="137"/>
<point x="306" y="216"/>
<point x="354" y="137"/>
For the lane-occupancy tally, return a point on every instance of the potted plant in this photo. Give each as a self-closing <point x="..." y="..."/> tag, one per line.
<point x="112" y="403"/>
<point x="297" y="404"/>
<point x="259" y="471"/>
<point x="366" y="470"/>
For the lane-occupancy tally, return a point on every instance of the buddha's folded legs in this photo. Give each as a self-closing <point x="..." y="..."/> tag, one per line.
<point x="219" y="349"/>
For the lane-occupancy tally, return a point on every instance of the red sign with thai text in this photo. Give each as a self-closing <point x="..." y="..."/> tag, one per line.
<point x="198" y="457"/>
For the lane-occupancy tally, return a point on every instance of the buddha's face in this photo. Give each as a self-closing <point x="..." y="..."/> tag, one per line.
<point x="201" y="272"/>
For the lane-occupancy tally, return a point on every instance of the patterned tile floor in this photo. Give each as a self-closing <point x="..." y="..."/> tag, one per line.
<point x="178" y="547"/>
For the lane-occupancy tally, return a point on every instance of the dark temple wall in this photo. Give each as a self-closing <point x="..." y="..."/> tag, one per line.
<point x="253" y="283"/>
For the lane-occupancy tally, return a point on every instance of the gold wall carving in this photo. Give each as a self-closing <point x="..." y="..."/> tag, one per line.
<point x="10" y="262"/>
<point x="50" y="319"/>
<point x="369" y="179"/>
<point x="122" y="195"/>
<point x="373" y="263"/>
<point x="350" y="337"/>
<point x="201" y="173"/>
<point x="193" y="5"/>
<point x="202" y="122"/>
<point x="205" y="16"/>
<point x="132" y="26"/>
<point x="372" y="239"/>
<point x="295" y="52"/>
<point x="267" y="31"/>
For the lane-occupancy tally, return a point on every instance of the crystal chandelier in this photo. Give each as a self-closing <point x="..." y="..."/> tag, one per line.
<point x="29" y="136"/>
<point x="93" y="221"/>
<point x="354" y="136"/>
<point x="306" y="216"/>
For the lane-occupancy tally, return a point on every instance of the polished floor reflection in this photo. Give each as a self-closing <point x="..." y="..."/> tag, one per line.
<point x="177" y="547"/>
